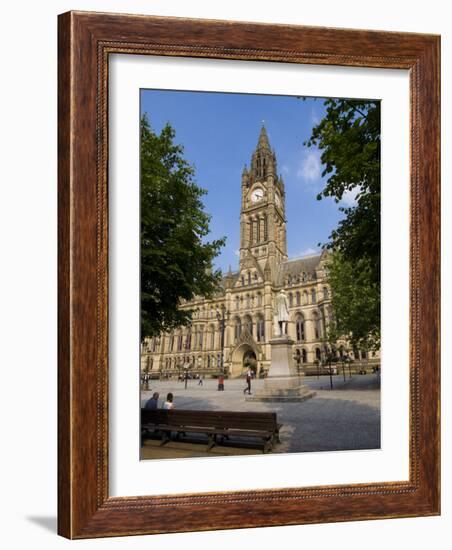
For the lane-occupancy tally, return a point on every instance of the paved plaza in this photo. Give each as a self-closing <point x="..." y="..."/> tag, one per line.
<point x="346" y="418"/>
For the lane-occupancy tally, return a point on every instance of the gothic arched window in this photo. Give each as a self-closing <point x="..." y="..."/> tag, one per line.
<point x="212" y="337"/>
<point x="298" y="299"/>
<point x="237" y="328"/>
<point x="248" y="324"/>
<point x="179" y="342"/>
<point x="200" y="337"/>
<point x="188" y="340"/>
<point x="299" y="324"/>
<point x="325" y="293"/>
<point x="304" y="356"/>
<point x="317" y="354"/>
<point x="260" y="329"/>
<point x="317" y="327"/>
<point x="259" y="299"/>
<point x="313" y="296"/>
<point x="290" y="299"/>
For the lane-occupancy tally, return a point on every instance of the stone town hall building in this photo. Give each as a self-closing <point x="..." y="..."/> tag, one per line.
<point x="248" y="295"/>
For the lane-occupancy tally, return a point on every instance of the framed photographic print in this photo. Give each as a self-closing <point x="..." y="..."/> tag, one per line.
<point x="248" y="275"/>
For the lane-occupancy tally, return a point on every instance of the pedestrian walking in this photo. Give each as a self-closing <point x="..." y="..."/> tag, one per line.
<point x="248" y="382"/>
<point x="200" y="383"/>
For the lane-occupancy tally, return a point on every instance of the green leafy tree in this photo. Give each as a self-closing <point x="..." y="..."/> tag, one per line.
<point x="348" y="137"/>
<point x="356" y="303"/>
<point x="176" y="260"/>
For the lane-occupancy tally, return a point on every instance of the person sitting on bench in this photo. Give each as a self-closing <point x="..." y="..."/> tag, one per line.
<point x="153" y="403"/>
<point x="169" y="402"/>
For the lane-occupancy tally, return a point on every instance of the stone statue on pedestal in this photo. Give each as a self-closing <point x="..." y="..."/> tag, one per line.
<point x="282" y="312"/>
<point x="282" y="383"/>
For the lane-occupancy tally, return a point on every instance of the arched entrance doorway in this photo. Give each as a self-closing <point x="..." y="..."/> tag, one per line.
<point x="243" y="356"/>
<point x="250" y="361"/>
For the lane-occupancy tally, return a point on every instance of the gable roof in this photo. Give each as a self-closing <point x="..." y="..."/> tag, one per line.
<point x="297" y="266"/>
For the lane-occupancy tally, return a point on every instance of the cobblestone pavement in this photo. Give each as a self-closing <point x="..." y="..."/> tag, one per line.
<point x="346" y="418"/>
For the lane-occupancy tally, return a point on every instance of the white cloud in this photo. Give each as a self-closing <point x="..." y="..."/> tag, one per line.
<point x="308" y="251"/>
<point x="349" y="197"/>
<point x="315" y="119"/>
<point x="310" y="169"/>
<point x="237" y="252"/>
<point x="285" y="169"/>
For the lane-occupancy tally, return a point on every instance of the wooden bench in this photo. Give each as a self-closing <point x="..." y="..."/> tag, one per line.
<point x="214" y="424"/>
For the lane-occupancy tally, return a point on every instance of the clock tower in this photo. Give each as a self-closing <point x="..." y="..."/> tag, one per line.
<point x="262" y="215"/>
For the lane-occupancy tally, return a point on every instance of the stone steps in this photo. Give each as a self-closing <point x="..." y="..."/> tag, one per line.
<point x="282" y="396"/>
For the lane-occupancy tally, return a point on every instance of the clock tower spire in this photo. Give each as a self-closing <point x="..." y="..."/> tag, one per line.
<point x="262" y="214"/>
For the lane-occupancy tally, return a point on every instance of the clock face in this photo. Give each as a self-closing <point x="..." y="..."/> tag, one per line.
<point x="257" y="195"/>
<point x="277" y="200"/>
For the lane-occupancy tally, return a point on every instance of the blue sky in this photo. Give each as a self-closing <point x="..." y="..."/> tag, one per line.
<point x="219" y="133"/>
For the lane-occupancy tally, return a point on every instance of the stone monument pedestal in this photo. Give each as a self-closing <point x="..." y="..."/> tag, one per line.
<point x="282" y="383"/>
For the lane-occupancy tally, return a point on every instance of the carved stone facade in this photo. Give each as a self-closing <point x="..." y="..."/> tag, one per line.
<point x="248" y="295"/>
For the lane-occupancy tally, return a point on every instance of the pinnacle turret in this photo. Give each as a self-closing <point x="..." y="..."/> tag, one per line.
<point x="267" y="271"/>
<point x="229" y="278"/>
<point x="263" y="139"/>
<point x="263" y="161"/>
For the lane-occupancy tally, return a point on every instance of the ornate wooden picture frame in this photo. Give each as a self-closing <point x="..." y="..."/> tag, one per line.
<point x="86" y="40"/>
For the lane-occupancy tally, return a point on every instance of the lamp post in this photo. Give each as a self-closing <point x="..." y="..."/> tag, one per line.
<point x="328" y="361"/>
<point x="349" y="361"/>
<point x="222" y="316"/>
<point x="186" y="375"/>
<point x="343" y="360"/>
